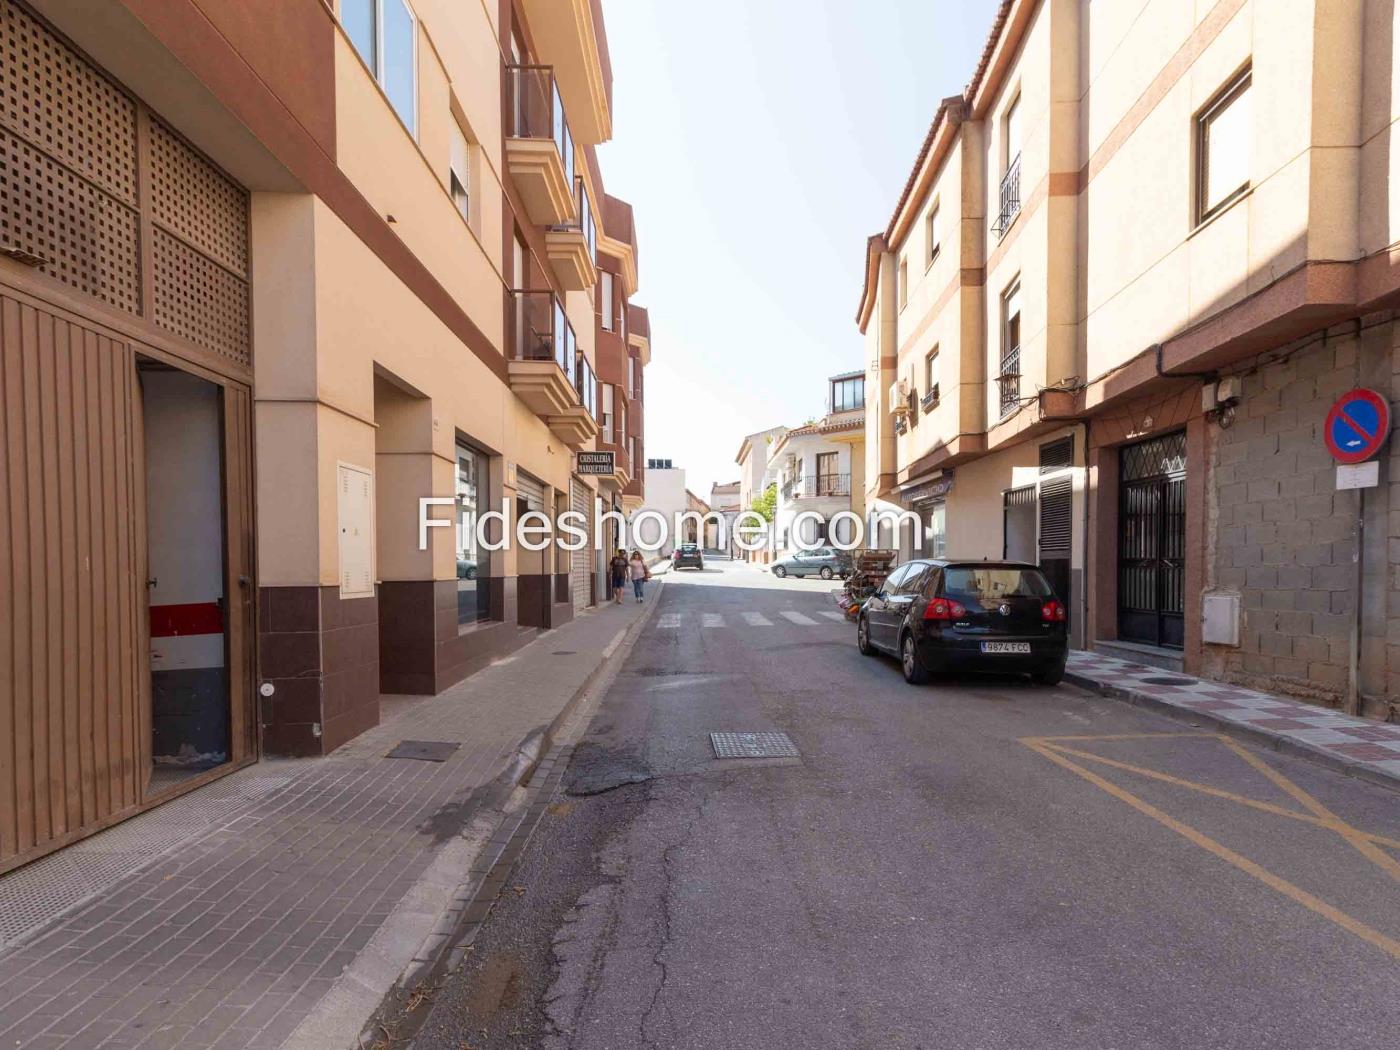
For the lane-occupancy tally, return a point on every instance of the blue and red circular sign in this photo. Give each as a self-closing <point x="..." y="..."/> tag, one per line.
<point x="1357" y="426"/>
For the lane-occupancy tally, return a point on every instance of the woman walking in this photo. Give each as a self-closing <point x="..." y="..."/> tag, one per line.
<point x="639" y="573"/>
<point x="618" y="569"/>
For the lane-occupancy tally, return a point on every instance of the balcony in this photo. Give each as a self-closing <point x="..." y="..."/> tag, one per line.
<point x="1009" y="381"/>
<point x="818" y="486"/>
<point x="543" y="353"/>
<point x="1010" y="199"/>
<point x="572" y="246"/>
<point x="539" y="147"/>
<point x="577" y="425"/>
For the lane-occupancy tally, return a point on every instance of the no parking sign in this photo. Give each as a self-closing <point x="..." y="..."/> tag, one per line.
<point x="1357" y="426"/>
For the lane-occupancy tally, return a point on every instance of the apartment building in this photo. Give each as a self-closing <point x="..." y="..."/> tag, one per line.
<point x="1134" y="264"/>
<point x="817" y="467"/>
<point x="724" y="501"/>
<point x="271" y="273"/>
<point x="752" y="460"/>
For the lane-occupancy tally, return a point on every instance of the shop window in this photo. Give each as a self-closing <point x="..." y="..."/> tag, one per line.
<point x="473" y="495"/>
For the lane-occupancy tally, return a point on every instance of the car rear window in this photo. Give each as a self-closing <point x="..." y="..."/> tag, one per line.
<point x="978" y="583"/>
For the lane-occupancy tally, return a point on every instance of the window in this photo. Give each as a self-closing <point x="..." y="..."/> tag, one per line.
<point x="621" y="422"/>
<point x="932" y="233"/>
<point x="1009" y="373"/>
<point x="1222" y="147"/>
<point x="473" y="603"/>
<point x="934" y="518"/>
<point x="608" y="414"/>
<point x="903" y="282"/>
<point x="631" y="386"/>
<point x="847" y="394"/>
<point x="605" y="301"/>
<point x="931" y="390"/>
<point x="459" y="172"/>
<point x="829" y="476"/>
<point x="1011" y="135"/>
<point x="384" y="32"/>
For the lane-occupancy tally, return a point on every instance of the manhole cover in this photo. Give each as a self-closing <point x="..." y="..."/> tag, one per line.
<point x="424" y="750"/>
<point x="1167" y="680"/>
<point x="753" y="745"/>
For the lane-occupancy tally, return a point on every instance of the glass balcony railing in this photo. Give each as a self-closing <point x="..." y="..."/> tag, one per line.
<point x="542" y="331"/>
<point x="534" y="110"/>
<point x="583" y="220"/>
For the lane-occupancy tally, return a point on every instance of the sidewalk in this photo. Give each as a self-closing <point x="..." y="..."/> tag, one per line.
<point x="1356" y="746"/>
<point x="287" y="918"/>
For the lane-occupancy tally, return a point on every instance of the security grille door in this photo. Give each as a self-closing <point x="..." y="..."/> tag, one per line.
<point x="580" y="562"/>
<point x="1152" y="541"/>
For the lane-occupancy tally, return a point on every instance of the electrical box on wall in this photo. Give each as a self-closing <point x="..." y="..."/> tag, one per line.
<point x="1220" y="619"/>
<point x="355" y="519"/>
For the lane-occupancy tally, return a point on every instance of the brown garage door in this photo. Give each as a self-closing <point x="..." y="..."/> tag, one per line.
<point x="70" y="656"/>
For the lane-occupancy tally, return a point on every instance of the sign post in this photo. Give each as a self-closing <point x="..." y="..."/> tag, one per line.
<point x="1356" y="429"/>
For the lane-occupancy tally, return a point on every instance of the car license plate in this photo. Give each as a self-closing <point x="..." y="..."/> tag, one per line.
<point x="1006" y="647"/>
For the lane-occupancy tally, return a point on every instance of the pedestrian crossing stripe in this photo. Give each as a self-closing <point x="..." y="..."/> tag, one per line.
<point x="674" y="621"/>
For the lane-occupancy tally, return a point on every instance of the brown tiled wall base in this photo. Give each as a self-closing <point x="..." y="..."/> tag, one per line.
<point x="423" y="651"/>
<point x="320" y="652"/>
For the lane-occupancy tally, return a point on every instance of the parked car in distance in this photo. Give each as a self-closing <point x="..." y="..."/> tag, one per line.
<point x="825" y="562"/>
<point x="688" y="556"/>
<point x="940" y="615"/>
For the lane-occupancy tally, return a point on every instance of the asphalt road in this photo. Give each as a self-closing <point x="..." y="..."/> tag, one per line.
<point x="931" y="872"/>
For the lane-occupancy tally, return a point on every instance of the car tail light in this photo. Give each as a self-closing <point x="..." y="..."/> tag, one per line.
<point x="944" y="609"/>
<point x="1053" y="612"/>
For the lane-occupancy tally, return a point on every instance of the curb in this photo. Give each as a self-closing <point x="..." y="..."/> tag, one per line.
<point x="1269" y="741"/>
<point x="546" y="740"/>
<point x="536" y="771"/>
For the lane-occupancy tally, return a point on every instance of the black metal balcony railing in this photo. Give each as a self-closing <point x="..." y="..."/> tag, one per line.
<point x="535" y="110"/>
<point x="818" y="485"/>
<point x="1009" y="382"/>
<point x="1010" y="199"/>
<point x="542" y="331"/>
<point x="930" y="400"/>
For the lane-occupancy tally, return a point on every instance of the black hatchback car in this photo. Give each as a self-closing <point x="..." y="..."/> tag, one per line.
<point x="688" y="555"/>
<point x="967" y="616"/>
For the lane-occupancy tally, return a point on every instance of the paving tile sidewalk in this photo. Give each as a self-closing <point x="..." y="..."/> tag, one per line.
<point x="232" y="939"/>
<point x="1358" y="746"/>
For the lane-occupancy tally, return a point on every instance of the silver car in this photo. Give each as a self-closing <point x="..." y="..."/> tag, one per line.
<point x="825" y="562"/>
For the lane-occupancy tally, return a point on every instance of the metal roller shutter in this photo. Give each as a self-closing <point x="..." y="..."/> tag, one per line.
<point x="580" y="562"/>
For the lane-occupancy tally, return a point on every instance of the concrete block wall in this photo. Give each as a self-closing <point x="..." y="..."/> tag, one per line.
<point x="1283" y="538"/>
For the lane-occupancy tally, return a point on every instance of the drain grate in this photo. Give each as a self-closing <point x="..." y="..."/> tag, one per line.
<point x="753" y="745"/>
<point x="1166" y="680"/>
<point x="424" y="750"/>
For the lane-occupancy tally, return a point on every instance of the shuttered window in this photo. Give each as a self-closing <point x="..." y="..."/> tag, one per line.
<point x="1056" y="497"/>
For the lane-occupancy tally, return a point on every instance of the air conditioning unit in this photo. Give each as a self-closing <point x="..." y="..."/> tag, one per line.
<point x="899" y="397"/>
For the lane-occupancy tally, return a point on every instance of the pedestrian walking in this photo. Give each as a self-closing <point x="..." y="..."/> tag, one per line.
<point x="639" y="573"/>
<point x="618" y="571"/>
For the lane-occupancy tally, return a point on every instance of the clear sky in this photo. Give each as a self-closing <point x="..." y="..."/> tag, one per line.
<point x="761" y="142"/>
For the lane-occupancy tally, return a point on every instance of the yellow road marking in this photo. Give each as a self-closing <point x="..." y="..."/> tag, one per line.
<point x="1116" y="736"/>
<point x="1358" y="839"/>
<point x="1295" y="893"/>
<point x="1206" y="789"/>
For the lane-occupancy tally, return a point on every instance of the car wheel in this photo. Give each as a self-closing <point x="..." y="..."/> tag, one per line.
<point x="913" y="667"/>
<point x="863" y="637"/>
<point x="779" y="571"/>
<point x="1049" y="675"/>
<point x="826" y="572"/>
